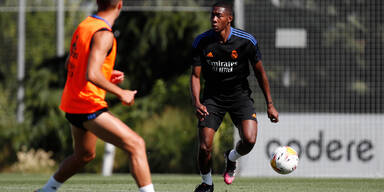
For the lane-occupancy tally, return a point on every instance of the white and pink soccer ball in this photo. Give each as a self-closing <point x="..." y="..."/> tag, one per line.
<point x="284" y="160"/>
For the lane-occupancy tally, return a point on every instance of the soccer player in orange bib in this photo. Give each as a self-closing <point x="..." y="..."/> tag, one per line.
<point x="90" y="75"/>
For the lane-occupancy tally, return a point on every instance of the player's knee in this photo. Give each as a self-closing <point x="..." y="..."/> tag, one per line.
<point x="135" y="146"/>
<point x="86" y="157"/>
<point x="249" y="141"/>
<point x="206" y="148"/>
<point x="140" y="143"/>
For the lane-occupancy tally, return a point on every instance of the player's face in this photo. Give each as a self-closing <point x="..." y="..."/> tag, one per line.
<point x="220" y="19"/>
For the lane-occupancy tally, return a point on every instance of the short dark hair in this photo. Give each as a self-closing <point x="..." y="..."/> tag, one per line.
<point x="106" y="4"/>
<point x="225" y="4"/>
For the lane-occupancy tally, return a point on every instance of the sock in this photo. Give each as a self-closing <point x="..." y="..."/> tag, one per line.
<point x="147" y="188"/>
<point x="52" y="185"/>
<point x="207" y="178"/>
<point x="233" y="155"/>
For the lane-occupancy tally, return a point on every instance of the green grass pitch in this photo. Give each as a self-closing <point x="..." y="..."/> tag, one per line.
<point x="184" y="183"/>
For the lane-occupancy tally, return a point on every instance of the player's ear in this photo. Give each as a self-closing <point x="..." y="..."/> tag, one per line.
<point x="120" y="5"/>
<point x="230" y="18"/>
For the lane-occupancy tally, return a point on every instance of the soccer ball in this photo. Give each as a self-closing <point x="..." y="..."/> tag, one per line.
<point x="284" y="160"/>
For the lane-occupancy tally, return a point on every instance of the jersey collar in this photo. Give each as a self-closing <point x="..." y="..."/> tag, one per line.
<point x="217" y="36"/>
<point x="98" y="17"/>
<point x="230" y="34"/>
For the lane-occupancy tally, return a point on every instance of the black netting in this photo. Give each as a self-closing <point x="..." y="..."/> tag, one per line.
<point x="339" y="68"/>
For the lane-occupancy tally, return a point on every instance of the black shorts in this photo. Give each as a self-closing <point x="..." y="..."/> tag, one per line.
<point x="239" y="110"/>
<point x="78" y="119"/>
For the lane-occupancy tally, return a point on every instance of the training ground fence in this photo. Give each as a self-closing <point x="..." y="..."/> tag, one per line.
<point x="321" y="55"/>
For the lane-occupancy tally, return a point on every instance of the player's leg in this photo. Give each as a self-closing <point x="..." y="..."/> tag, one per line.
<point x="206" y="136"/>
<point x="112" y="130"/>
<point x="205" y="149"/>
<point x="207" y="129"/>
<point x="84" y="152"/>
<point x="244" y="117"/>
<point x="248" y="134"/>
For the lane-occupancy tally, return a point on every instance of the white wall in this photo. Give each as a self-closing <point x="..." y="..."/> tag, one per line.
<point x="331" y="145"/>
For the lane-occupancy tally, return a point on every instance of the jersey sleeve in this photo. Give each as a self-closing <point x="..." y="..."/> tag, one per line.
<point x="255" y="55"/>
<point x="196" y="54"/>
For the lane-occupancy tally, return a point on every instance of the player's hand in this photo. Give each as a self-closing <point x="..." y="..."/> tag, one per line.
<point x="128" y="97"/>
<point x="273" y="115"/>
<point x="117" y="77"/>
<point x="201" y="111"/>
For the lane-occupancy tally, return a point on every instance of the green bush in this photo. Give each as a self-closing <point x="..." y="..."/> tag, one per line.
<point x="170" y="138"/>
<point x="8" y="129"/>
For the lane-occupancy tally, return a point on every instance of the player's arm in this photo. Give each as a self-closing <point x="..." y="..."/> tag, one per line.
<point x="201" y="110"/>
<point x="102" y="42"/>
<point x="262" y="79"/>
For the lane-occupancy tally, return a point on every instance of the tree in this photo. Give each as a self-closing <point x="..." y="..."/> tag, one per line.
<point x="156" y="45"/>
<point x="44" y="122"/>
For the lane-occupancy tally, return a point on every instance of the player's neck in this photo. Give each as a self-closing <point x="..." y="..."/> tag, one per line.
<point x="224" y="34"/>
<point x="109" y="16"/>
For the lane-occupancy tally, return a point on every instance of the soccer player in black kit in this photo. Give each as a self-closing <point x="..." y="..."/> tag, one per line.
<point x="223" y="55"/>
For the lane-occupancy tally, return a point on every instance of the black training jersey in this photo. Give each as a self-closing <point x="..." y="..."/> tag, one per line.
<point x="225" y="66"/>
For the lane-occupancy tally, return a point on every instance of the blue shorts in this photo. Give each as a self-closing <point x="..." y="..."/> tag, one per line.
<point x="239" y="110"/>
<point x="78" y="119"/>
